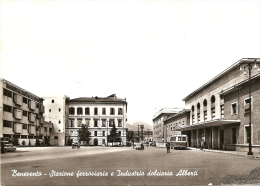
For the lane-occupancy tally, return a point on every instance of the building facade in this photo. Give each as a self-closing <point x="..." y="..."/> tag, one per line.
<point x="21" y="115"/>
<point x="178" y="120"/>
<point x="159" y="134"/>
<point x="56" y="112"/>
<point x="219" y="110"/>
<point x="100" y="114"/>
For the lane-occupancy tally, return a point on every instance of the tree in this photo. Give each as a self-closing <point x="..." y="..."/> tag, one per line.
<point x="114" y="136"/>
<point x="84" y="134"/>
<point x="37" y="142"/>
<point x="46" y="140"/>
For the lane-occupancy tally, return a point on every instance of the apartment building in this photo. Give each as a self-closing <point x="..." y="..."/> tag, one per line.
<point x="21" y="115"/>
<point x="99" y="113"/>
<point x="220" y="111"/>
<point x="159" y="134"/>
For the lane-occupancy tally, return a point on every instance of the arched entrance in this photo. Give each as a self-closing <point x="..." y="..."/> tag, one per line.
<point x="103" y="142"/>
<point x="95" y="142"/>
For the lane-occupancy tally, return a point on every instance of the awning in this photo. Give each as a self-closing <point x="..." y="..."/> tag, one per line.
<point x="206" y="124"/>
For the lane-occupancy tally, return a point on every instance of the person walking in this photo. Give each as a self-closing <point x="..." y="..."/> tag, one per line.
<point x="202" y="144"/>
<point x="168" y="147"/>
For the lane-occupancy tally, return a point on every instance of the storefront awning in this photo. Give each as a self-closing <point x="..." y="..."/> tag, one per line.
<point x="206" y="124"/>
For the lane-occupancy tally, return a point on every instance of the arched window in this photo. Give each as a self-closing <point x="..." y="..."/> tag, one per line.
<point x="198" y="112"/>
<point x="72" y="110"/>
<point x="213" y="114"/>
<point x="205" y="109"/>
<point x="79" y="111"/>
<point x="192" y="112"/>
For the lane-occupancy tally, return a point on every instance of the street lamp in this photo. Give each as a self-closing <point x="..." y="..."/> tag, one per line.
<point x="138" y="132"/>
<point x="248" y="64"/>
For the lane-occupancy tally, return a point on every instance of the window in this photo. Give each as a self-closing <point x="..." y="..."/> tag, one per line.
<point x="79" y="111"/>
<point x="95" y="123"/>
<point x="222" y="110"/>
<point x="234" y="135"/>
<point x="95" y="133"/>
<point x="120" y="111"/>
<point x="71" y="110"/>
<point x="25" y="126"/>
<point x="7" y="123"/>
<point x="25" y="100"/>
<point x="52" y="101"/>
<point x="111" y="123"/>
<point x="193" y="118"/>
<point x="50" y="129"/>
<point x="119" y="123"/>
<point x="7" y="93"/>
<point x="213" y="113"/>
<point x="104" y="133"/>
<point x="205" y="115"/>
<point x="119" y="133"/>
<point x="87" y="111"/>
<point x="247" y="104"/>
<point x="79" y="121"/>
<point x="112" y="111"/>
<point x="45" y="129"/>
<point x="37" y="105"/>
<point x="59" y="109"/>
<point x="56" y="137"/>
<point x="87" y="122"/>
<point x="49" y="110"/>
<point x="95" y="111"/>
<point x="247" y="133"/>
<point x="104" y="111"/>
<point x="71" y="122"/>
<point x="59" y="121"/>
<point x="198" y="115"/>
<point x="233" y="108"/>
<point x="103" y="123"/>
<point x="7" y="108"/>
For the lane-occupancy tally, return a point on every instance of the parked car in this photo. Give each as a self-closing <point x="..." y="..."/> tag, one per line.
<point x="9" y="147"/>
<point x="139" y="146"/>
<point x="75" y="145"/>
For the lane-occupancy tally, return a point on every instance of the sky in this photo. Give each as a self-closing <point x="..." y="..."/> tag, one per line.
<point x="153" y="53"/>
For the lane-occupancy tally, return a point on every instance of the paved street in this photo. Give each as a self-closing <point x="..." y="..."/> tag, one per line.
<point x="119" y="166"/>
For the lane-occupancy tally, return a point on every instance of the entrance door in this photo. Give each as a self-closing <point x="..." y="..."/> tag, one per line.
<point x="95" y="142"/>
<point x="221" y="139"/>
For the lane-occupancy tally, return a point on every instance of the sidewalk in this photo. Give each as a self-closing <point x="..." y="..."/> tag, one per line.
<point x="236" y="153"/>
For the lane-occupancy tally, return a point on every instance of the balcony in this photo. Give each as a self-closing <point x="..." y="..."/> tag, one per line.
<point x="18" y="114"/>
<point x="18" y="99"/>
<point x="32" y="129"/>
<point x="41" y="120"/>
<point x="31" y="117"/>
<point x="41" y="108"/>
<point x="18" y="128"/>
<point x="32" y="105"/>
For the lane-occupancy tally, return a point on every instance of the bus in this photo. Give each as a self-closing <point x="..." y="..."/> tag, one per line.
<point x="178" y="141"/>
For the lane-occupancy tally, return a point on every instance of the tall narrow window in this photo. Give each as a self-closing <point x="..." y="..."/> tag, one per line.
<point x="120" y="123"/>
<point x="222" y="110"/>
<point x="79" y="111"/>
<point x="95" y="111"/>
<point x="233" y="108"/>
<point x="247" y="104"/>
<point x="120" y="111"/>
<point x="52" y="101"/>
<point x="87" y="111"/>
<point x="112" y="111"/>
<point x="95" y="133"/>
<point x="103" y="111"/>
<point x="71" y="110"/>
<point x="247" y="133"/>
<point x="95" y="123"/>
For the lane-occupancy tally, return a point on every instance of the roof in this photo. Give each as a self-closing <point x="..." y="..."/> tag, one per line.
<point x="112" y="98"/>
<point x="167" y="111"/>
<point x="180" y="113"/>
<point x="235" y="65"/>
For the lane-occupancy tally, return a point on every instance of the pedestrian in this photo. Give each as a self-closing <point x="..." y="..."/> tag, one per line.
<point x="168" y="147"/>
<point x="131" y="145"/>
<point x="201" y="144"/>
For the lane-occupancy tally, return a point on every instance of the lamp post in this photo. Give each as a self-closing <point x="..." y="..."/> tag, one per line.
<point x="248" y="64"/>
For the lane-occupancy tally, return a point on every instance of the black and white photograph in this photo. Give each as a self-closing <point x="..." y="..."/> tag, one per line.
<point x="129" y="92"/>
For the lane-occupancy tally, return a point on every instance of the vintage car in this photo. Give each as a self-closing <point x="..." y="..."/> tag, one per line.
<point x="9" y="147"/>
<point x="139" y="146"/>
<point x="75" y="145"/>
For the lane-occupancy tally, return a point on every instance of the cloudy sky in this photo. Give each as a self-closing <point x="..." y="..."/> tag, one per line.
<point x="154" y="53"/>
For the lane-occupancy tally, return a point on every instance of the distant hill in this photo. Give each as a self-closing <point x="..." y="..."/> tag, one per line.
<point x="134" y="126"/>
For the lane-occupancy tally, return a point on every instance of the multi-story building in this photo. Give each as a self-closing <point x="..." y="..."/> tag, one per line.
<point x="100" y="114"/>
<point x="21" y="115"/>
<point x="178" y="120"/>
<point x="56" y="112"/>
<point x="220" y="110"/>
<point x="158" y="123"/>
